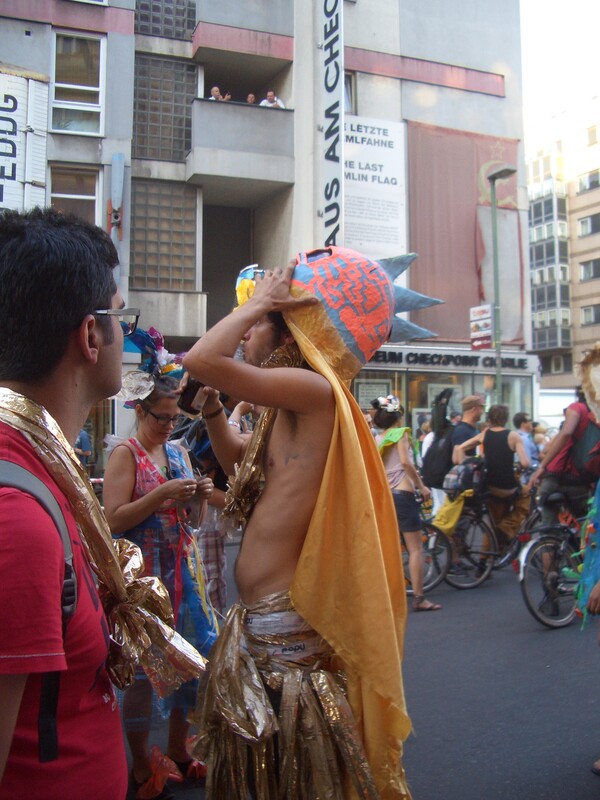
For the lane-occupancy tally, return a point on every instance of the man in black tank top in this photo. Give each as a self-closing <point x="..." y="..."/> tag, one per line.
<point x="509" y="501"/>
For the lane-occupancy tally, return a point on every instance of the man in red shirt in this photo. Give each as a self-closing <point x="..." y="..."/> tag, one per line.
<point x="60" y="352"/>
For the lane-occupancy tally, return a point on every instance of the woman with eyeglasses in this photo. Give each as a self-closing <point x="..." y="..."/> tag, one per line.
<point x="150" y="493"/>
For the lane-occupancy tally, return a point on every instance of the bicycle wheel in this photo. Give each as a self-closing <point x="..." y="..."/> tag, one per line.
<point x="474" y="548"/>
<point x="549" y="581"/>
<point x="436" y="555"/>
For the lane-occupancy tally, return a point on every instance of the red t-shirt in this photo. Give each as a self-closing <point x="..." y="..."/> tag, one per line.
<point x="91" y="760"/>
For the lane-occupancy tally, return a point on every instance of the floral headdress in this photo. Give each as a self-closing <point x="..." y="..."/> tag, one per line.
<point x="156" y="362"/>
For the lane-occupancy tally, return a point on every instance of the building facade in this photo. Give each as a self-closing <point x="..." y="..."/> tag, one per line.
<point x="395" y="114"/>
<point x="563" y="178"/>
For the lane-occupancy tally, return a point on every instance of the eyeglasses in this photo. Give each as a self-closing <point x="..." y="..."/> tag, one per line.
<point x="129" y="317"/>
<point x="164" y="419"/>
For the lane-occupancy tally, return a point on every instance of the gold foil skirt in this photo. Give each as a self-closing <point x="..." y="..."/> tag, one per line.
<point x="309" y="749"/>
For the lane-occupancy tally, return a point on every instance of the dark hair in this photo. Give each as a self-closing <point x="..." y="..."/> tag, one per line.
<point x="497" y="415"/>
<point x="277" y="321"/>
<point x="520" y="418"/>
<point x="164" y="386"/>
<point x="580" y="395"/>
<point x="54" y="269"/>
<point x="385" y="419"/>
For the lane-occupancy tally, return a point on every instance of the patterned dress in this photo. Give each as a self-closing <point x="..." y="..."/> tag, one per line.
<point x="168" y="546"/>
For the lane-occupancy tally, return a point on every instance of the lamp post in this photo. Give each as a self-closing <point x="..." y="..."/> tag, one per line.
<point x="499" y="174"/>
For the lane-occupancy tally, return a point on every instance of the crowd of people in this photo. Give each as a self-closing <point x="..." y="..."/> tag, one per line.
<point x="301" y="683"/>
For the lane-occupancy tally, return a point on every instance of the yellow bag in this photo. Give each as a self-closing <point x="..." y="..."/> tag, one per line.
<point x="447" y="517"/>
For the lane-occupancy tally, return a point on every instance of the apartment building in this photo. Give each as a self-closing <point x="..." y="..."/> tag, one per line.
<point x="563" y="178"/>
<point x="395" y="114"/>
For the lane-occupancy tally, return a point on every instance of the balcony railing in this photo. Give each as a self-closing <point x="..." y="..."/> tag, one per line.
<point x="241" y="154"/>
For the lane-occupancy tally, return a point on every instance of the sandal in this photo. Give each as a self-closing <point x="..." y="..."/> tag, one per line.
<point x="420" y="604"/>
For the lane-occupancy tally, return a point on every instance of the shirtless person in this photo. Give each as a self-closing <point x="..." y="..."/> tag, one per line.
<point x="298" y="444"/>
<point x="319" y="571"/>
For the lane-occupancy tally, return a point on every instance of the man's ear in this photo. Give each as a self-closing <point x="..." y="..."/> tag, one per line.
<point x="89" y="338"/>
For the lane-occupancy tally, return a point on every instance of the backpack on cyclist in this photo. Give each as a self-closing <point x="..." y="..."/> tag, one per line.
<point x="437" y="461"/>
<point x="470" y="475"/>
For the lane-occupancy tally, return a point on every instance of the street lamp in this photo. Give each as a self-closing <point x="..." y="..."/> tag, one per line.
<point x="497" y="175"/>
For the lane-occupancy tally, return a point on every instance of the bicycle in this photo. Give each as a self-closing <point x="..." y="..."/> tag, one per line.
<point x="437" y="555"/>
<point x="549" y="570"/>
<point x="509" y="549"/>
<point x="474" y="547"/>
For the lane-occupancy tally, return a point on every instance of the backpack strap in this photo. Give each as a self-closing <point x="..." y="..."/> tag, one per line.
<point x="17" y="477"/>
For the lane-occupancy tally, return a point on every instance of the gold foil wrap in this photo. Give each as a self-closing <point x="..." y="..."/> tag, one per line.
<point x="317" y="748"/>
<point x="138" y="609"/>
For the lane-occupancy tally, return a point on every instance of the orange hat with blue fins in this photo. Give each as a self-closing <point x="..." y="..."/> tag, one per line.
<point x="359" y="308"/>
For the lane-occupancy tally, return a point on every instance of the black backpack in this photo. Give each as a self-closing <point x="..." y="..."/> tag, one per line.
<point x="17" y="477"/>
<point x="437" y="461"/>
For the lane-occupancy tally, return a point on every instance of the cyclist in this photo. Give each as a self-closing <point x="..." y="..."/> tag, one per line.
<point x="556" y="469"/>
<point x="507" y="502"/>
<point x="395" y="446"/>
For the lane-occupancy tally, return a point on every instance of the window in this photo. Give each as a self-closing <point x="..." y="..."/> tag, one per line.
<point x="162" y="108"/>
<point x="561" y="208"/>
<point x="163" y="236"/>
<point x="562" y="363"/>
<point x="589" y="270"/>
<point x="172" y="19"/>
<point x="590" y="315"/>
<point x="592" y="135"/>
<point x="589" y="225"/>
<point x="564" y="273"/>
<point x="350" y="93"/>
<point x="591" y="180"/>
<point x="78" y="84"/>
<point x="565" y="316"/>
<point x="75" y="191"/>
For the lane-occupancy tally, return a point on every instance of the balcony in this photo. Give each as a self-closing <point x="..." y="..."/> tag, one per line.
<point x="243" y="47"/>
<point x="551" y="338"/>
<point x="172" y="313"/>
<point x="241" y="154"/>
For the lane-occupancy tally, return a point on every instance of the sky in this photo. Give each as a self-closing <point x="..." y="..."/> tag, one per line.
<point x="561" y="58"/>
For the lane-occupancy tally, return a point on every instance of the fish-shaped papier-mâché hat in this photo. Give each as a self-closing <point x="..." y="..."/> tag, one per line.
<point x="359" y="307"/>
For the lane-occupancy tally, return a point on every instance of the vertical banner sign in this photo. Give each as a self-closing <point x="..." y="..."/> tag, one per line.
<point x="330" y="44"/>
<point x="23" y="126"/>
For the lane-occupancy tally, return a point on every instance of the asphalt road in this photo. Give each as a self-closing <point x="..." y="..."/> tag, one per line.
<point x="502" y="708"/>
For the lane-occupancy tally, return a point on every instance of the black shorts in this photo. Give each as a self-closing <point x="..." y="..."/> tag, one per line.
<point x="407" y="510"/>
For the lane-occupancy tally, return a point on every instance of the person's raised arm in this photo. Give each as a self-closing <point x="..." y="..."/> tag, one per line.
<point x="211" y="358"/>
<point x="458" y="453"/>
